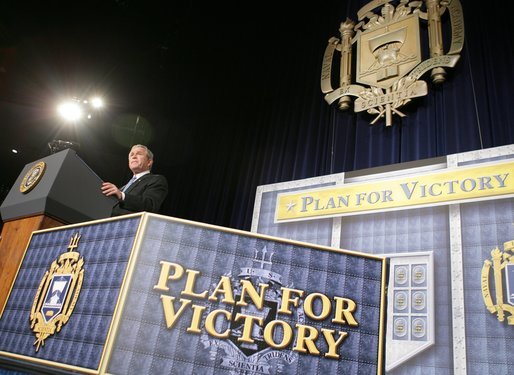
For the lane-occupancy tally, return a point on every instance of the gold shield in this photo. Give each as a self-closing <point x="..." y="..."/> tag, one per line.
<point x="388" y="53"/>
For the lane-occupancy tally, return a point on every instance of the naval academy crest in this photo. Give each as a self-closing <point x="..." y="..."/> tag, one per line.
<point x="57" y="294"/>
<point x="500" y="270"/>
<point x="389" y="61"/>
<point x="256" y="356"/>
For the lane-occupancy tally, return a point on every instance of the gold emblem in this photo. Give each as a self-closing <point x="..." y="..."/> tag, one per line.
<point x="401" y="275"/>
<point x="389" y="58"/>
<point x="400" y="301"/>
<point x="419" y="328"/>
<point x="57" y="294"/>
<point x="400" y="327"/>
<point x="502" y="264"/>
<point x="32" y="177"/>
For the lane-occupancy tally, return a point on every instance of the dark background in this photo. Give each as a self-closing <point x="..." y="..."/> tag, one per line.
<point x="227" y="95"/>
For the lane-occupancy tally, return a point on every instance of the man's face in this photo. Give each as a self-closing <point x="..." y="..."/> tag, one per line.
<point x="138" y="160"/>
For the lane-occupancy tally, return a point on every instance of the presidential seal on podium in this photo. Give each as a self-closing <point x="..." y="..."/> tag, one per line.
<point x="32" y="177"/>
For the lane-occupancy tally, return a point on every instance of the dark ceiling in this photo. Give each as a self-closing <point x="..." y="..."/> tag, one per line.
<point x="178" y="76"/>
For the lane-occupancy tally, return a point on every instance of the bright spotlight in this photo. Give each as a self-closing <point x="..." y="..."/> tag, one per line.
<point x="70" y="111"/>
<point x="97" y="102"/>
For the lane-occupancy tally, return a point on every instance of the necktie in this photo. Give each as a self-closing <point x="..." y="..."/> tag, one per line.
<point x="129" y="183"/>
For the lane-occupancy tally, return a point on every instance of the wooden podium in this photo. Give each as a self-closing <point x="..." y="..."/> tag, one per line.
<point x="56" y="190"/>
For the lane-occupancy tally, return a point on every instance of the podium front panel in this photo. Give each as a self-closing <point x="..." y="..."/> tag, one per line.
<point x="164" y="295"/>
<point x="106" y="248"/>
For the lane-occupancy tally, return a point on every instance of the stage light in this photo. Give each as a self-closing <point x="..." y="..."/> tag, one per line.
<point x="14" y="151"/>
<point x="70" y="111"/>
<point x="97" y="102"/>
<point x="75" y="109"/>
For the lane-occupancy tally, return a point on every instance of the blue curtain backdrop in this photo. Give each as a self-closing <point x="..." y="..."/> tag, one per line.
<point x="239" y="98"/>
<point x="292" y="133"/>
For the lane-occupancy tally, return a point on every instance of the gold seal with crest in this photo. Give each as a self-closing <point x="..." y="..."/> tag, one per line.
<point x="390" y="62"/>
<point x="502" y="266"/>
<point x="32" y="177"/>
<point x="57" y="294"/>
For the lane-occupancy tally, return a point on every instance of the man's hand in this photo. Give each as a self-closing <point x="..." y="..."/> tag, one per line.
<point x="109" y="189"/>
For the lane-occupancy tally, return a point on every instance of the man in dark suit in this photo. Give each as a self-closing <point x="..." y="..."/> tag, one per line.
<point x="145" y="191"/>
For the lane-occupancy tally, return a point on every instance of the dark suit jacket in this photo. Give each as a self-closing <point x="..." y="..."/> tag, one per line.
<point x="146" y="194"/>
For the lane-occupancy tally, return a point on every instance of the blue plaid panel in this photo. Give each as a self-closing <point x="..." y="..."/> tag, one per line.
<point x="145" y="345"/>
<point x="105" y="248"/>
<point x="414" y="230"/>
<point x="489" y="342"/>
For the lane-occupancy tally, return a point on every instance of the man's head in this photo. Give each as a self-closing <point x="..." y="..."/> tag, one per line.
<point x="140" y="159"/>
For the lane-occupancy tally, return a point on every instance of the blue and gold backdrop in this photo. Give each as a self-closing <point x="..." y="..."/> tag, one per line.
<point x="163" y="295"/>
<point x="456" y="287"/>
